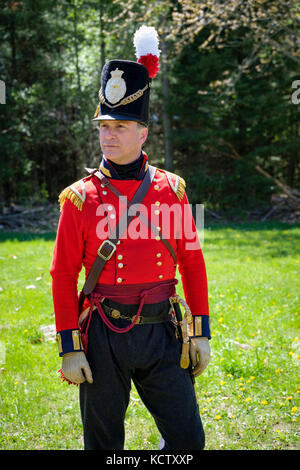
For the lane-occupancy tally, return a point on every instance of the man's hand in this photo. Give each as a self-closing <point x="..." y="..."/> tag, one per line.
<point x="76" y="368"/>
<point x="200" y="355"/>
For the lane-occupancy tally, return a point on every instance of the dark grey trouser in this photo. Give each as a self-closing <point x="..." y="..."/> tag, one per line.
<point x="149" y="355"/>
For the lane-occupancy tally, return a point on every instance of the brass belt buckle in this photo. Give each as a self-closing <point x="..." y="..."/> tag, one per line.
<point x="103" y="256"/>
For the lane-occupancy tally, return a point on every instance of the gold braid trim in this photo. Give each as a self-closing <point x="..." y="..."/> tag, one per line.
<point x="127" y="100"/>
<point x="74" y="195"/>
<point x="179" y="186"/>
<point x="67" y="193"/>
<point x="105" y="171"/>
<point x="97" y="111"/>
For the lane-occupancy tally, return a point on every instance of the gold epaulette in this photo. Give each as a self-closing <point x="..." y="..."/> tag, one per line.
<point x="72" y="193"/>
<point x="179" y="185"/>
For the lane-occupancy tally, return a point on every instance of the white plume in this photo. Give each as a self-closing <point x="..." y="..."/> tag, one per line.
<point x="146" y="41"/>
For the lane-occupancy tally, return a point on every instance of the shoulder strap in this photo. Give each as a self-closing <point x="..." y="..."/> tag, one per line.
<point x="135" y="200"/>
<point x="108" y="247"/>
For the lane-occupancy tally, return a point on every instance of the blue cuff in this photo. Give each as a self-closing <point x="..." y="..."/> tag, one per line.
<point x="199" y="327"/>
<point x="68" y="341"/>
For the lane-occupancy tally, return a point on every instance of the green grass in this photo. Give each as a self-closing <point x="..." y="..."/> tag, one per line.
<point x="248" y="396"/>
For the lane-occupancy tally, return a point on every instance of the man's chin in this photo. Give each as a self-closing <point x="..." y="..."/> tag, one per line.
<point x="116" y="156"/>
<point x="112" y="154"/>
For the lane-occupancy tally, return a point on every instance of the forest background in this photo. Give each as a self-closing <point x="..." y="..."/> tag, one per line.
<point x="224" y="107"/>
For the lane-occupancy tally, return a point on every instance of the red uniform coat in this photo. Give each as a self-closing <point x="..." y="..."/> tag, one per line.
<point x="140" y="258"/>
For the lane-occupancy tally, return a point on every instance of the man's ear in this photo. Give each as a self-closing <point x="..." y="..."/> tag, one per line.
<point x="143" y="134"/>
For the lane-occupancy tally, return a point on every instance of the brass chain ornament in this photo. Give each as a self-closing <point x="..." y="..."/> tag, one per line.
<point x="124" y="101"/>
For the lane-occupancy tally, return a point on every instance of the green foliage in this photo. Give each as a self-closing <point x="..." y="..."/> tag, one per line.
<point x="229" y="103"/>
<point x="224" y="130"/>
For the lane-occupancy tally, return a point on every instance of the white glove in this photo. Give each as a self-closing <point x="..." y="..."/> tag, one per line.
<point x="76" y="368"/>
<point x="199" y="354"/>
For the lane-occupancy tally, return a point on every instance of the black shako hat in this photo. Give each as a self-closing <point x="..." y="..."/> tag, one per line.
<point x="125" y="85"/>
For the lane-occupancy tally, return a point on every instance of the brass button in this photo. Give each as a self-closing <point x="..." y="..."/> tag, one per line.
<point x="157" y="238"/>
<point x="115" y="313"/>
<point x="119" y="280"/>
<point x="120" y="265"/>
<point x="104" y="192"/>
<point x="160" y="276"/>
<point x="158" y="229"/>
<point x="159" y="263"/>
<point x="118" y="242"/>
<point x="157" y="203"/>
<point x="156" y="187"/>
<point x="158" y="255"/>
<point x="120" y="256"/>
<point x="156" y="212"/>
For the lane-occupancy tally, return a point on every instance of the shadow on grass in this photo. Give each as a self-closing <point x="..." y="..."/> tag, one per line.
<point x="25" y="237"/>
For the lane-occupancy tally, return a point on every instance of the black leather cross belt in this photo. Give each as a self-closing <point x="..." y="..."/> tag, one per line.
<point x="142" y="320"/>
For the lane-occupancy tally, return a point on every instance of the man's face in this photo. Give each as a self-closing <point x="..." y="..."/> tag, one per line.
<point x="121" y="141"/>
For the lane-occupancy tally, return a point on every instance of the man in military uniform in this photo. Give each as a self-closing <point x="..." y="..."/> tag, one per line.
<point x="123" y="327"/>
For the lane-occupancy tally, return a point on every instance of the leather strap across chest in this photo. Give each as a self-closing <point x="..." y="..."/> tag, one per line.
<point x="108" y="247"/>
